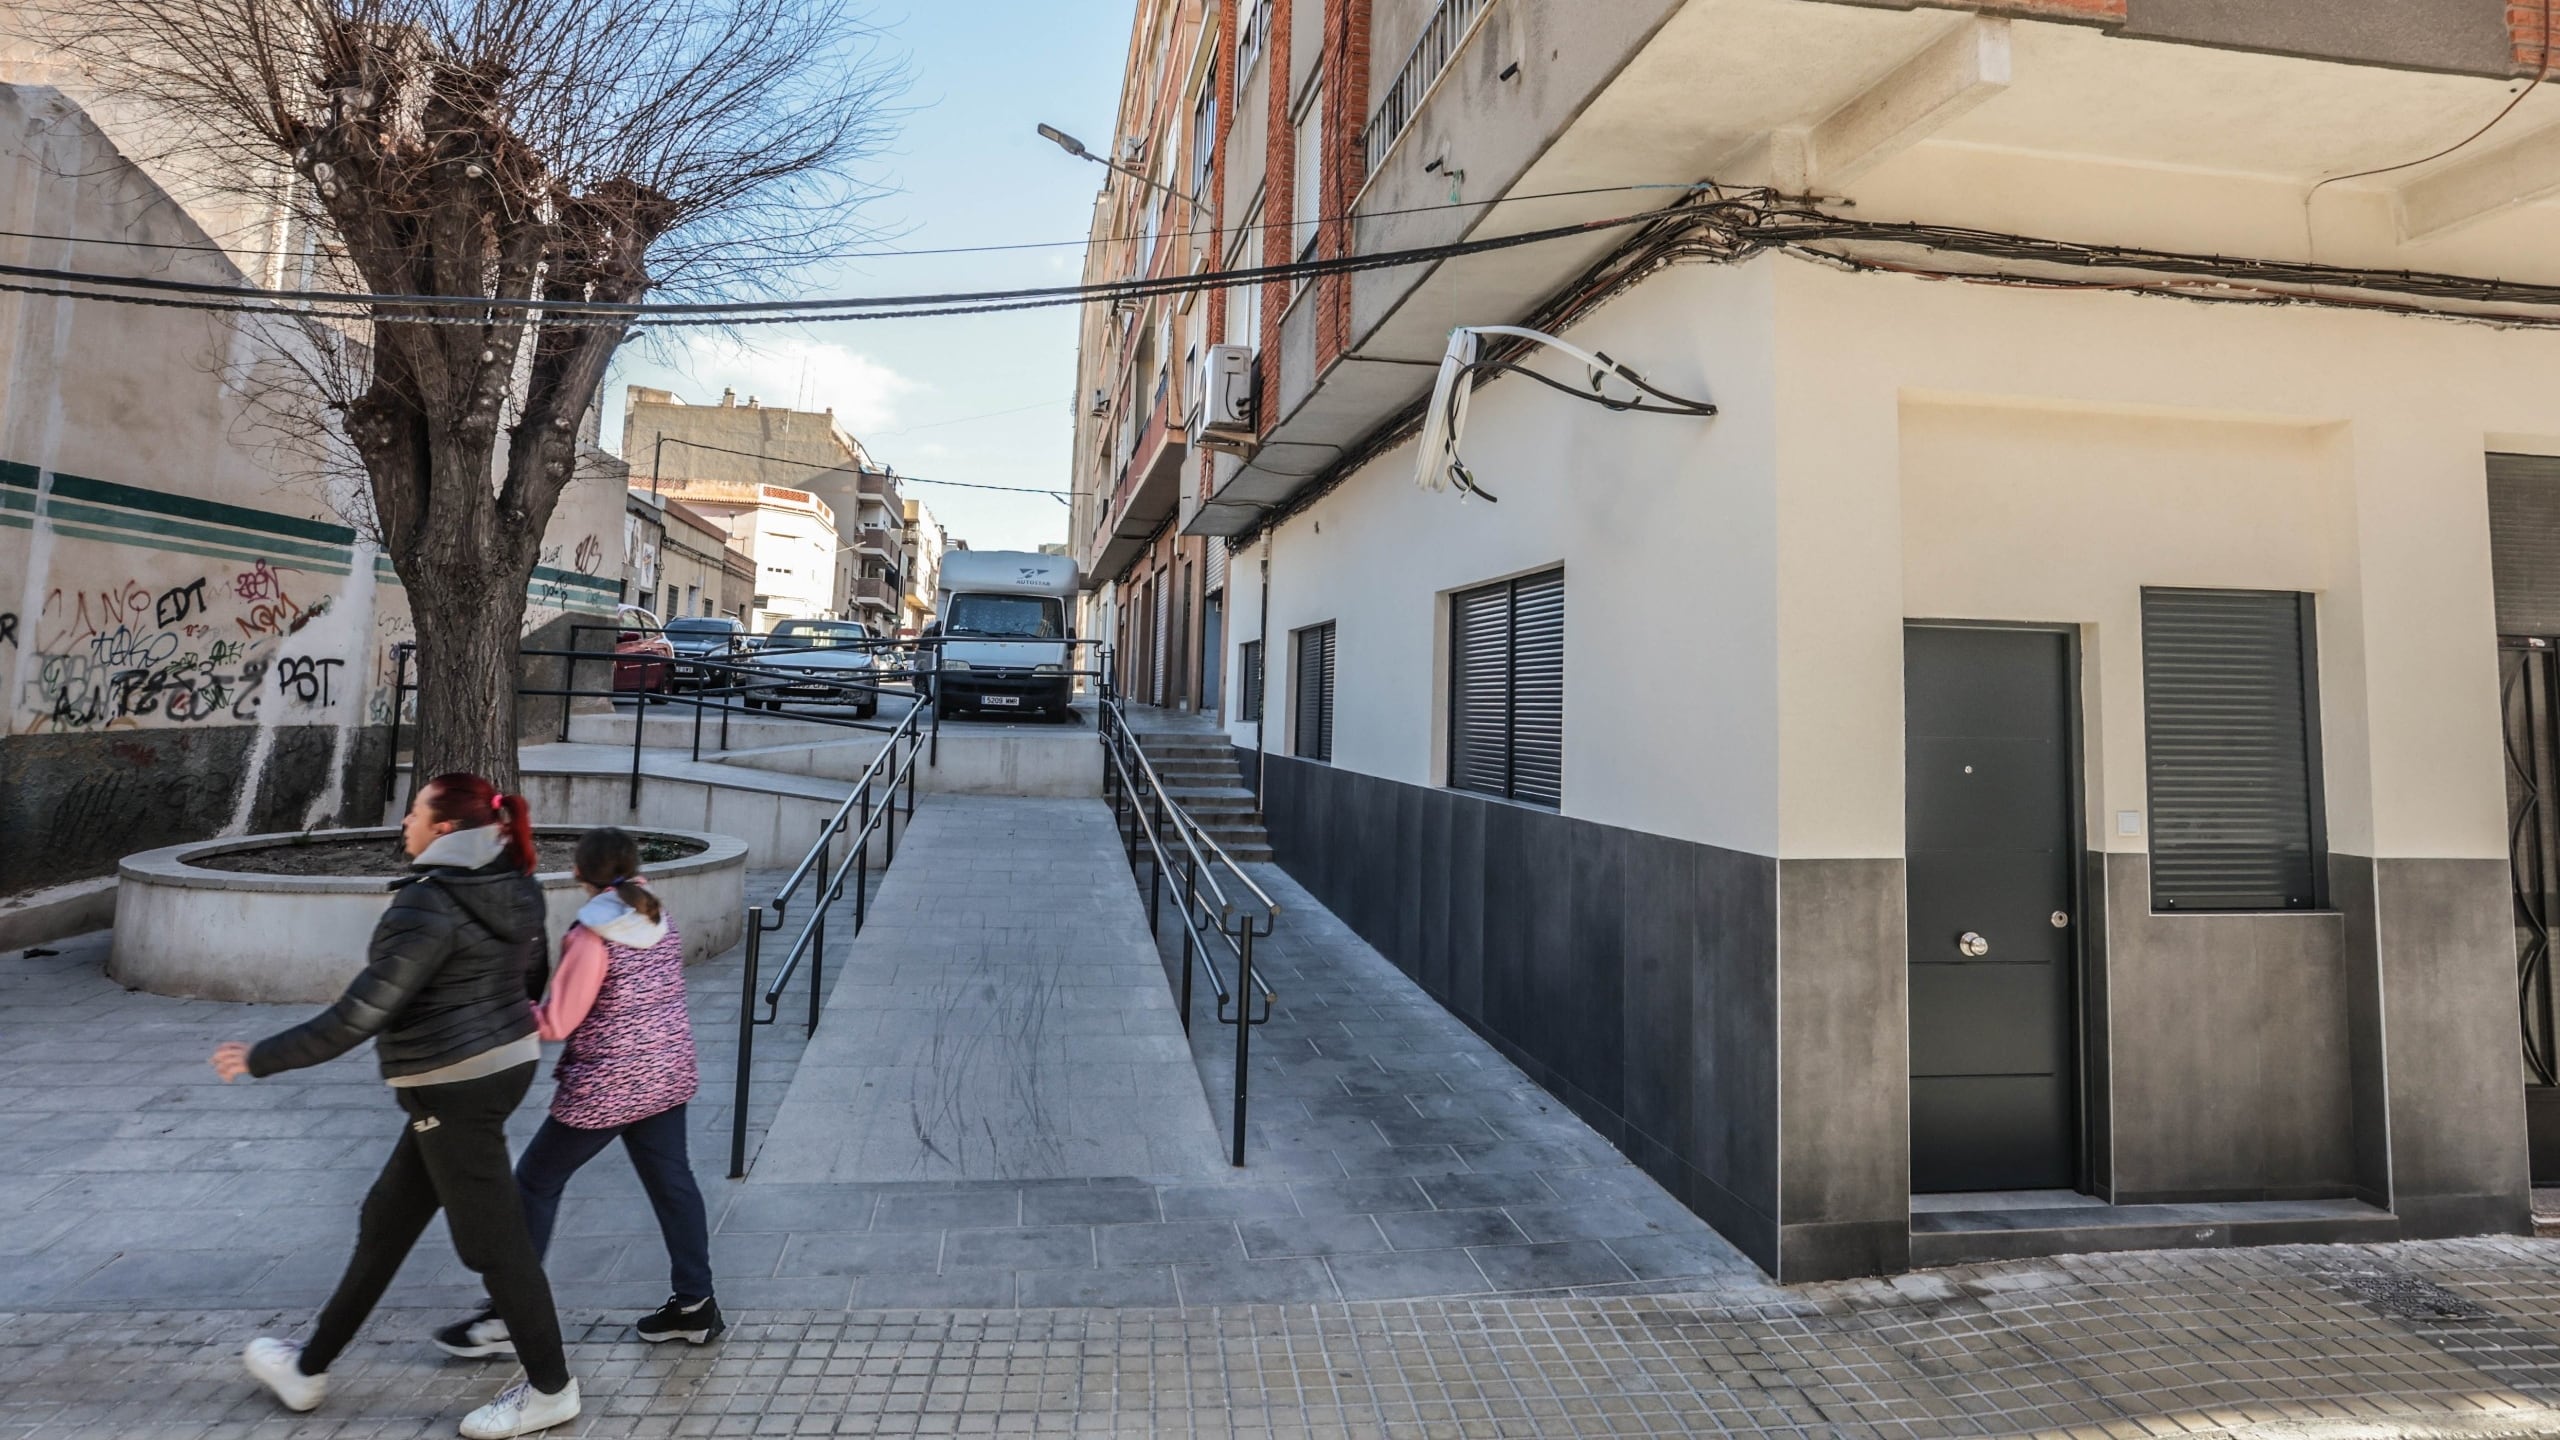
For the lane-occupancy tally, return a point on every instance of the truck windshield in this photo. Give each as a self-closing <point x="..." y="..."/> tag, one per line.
<point x="1004" y="617"/>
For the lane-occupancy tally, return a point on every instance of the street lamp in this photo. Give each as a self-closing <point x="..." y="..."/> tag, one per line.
<point x="1075" y="147"/>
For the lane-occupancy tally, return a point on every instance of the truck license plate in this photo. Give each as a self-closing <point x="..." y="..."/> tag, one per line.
<point x="1004" y="699"/>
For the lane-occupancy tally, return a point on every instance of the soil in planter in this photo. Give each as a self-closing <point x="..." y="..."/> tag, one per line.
<point x="382" y="857"/>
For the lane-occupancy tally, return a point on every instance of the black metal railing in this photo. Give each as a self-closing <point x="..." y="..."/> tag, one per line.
<point x="897" y="763"/>
<point x="1173" y="849"/>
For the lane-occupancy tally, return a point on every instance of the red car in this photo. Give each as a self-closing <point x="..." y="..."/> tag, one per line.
<point x="644" y="659"/>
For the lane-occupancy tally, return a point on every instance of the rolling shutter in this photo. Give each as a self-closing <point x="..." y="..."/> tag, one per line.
<point x="2524" y="543"/>
<point x="2233" y="750"/>
<point x="1537" y="689"/>
<point x="1311" y="734"/>
<point x="1506" y="689"/>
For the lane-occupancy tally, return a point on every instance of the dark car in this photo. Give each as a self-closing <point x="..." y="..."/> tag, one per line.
<point x="706" y="637"/>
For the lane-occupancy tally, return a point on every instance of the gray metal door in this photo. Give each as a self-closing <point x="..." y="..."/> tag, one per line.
<point x="1988" y="740"/>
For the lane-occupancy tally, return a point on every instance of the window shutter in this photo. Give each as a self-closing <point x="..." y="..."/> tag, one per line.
<point x="1480" y="689"/>
<point x="1537" y="689"/>
<point x="2524" y="543"/>
<point x="1311" y="734"/>
<point x="2233" y="750"/>
<point x="1506" y="689"/>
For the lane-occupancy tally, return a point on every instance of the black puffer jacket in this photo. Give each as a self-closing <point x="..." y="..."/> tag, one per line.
<point x="453" y="964"/>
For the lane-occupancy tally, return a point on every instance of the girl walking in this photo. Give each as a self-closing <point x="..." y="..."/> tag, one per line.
<point x="626" y="1073"/>
<point x="444" y="996"/>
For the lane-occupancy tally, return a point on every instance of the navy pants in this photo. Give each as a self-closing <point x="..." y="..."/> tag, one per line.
<point x="657" y="1149"/>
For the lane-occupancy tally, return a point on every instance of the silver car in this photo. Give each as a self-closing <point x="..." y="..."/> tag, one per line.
<point x="826" y="661"/>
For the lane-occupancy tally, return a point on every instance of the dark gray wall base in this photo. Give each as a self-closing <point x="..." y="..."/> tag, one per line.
<point x="1632" y="975"/>
<point x="72" y="805"/>
<point x="2448" y="1217"/>
<point x="1843" y="1251"/>
<point x="2447" y="972"/>
<point x="1844" y="1199"/>
<point x="2232" y="1039"/>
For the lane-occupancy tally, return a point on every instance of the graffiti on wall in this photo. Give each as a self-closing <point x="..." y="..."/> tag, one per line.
<point x="128" y="654"/>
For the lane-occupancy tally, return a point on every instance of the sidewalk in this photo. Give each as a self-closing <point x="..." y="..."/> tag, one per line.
<point x="2438" y="1339"/>
<point x="1421" y="1246"/>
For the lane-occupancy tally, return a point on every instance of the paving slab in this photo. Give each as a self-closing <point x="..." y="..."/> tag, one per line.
<point x="1017" y="1022"/>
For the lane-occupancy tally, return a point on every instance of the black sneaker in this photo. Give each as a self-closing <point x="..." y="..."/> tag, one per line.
<point x="477" y="1338"/>
<point x="698" y="1322"/>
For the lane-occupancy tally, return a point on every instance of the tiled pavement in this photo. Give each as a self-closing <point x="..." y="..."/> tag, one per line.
<point x="2440" y="1339"/>
<point x="151" y="1221"/>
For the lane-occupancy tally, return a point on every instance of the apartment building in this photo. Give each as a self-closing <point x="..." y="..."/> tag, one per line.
<point x="926" y="540"/>
<point x="1156" y="592"/>
<point x="704" y="448"/>
<point x="2056" y="759"/>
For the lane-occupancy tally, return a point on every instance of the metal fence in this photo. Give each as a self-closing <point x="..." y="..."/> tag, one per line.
<point x="1442" y="37"/>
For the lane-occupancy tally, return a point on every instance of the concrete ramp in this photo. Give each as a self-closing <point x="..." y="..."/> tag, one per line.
<point x="1004" y="1016"/>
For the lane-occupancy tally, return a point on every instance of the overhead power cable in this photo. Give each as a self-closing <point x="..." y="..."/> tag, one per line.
<point x="483" y="309"/>
<point x="215" y="247"/>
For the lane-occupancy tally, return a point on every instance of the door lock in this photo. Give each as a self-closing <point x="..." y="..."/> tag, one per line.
<point x="2061" y="920"/>
<point x="1971" y="944"/>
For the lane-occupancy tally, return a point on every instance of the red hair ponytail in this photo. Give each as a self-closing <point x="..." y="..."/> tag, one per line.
<point x="471" y="802"/>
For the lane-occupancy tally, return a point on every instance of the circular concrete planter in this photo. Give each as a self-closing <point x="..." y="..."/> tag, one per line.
<point x="281" y="939"/>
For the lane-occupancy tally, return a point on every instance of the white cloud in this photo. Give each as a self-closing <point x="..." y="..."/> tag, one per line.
<point x="787" y="371"/>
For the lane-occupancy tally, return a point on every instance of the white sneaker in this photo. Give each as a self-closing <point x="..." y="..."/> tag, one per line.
<point x="277" y="1364"/>
<point x="520" y="1410"/>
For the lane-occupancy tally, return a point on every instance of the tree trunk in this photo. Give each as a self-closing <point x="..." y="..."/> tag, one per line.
<point x="470" y="625"/>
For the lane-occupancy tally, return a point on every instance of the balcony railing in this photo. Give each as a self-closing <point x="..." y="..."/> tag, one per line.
<point x="878" y="486"/>
<point x="870" y="590"/>
<point x="1441" y="38"/>
<point x="881" y="541"/>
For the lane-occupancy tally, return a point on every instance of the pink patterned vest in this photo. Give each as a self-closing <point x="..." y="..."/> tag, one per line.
<point x="632" y="1057"/>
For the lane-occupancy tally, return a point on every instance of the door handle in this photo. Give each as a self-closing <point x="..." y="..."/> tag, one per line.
<point x="1972" y="945"/>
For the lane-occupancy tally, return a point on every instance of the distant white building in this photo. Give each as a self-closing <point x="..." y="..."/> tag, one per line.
<point x="789" y="534"/>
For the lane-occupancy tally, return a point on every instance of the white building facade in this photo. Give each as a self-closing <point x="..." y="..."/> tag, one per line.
<point x="2054" y="728"/>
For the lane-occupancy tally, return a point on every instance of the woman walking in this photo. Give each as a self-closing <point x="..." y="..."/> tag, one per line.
<point x="627" y="1072"/>
<point x="445" y="997"/>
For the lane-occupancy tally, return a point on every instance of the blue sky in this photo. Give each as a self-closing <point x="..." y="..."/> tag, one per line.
<point x="932" y="397"/>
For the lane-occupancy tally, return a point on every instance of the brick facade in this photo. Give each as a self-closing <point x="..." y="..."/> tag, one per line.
<point x="2529" y="24"/>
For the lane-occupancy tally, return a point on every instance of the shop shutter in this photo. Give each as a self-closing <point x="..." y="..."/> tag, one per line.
<point x="2232" y="739"/>
<point x="1215" y="570"/>
<point x="1249" y="681"/>
<point x="1311" y="692"/>
<point x="2524" y="543"/>
<point x="1506" y="689"/>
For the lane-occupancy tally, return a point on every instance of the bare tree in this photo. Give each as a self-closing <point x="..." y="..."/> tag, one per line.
<point x="598" y="151"/>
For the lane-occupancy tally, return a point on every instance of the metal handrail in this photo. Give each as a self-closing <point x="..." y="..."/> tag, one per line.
<point x="1236" y="927"/>
<point x="811" y="943"/>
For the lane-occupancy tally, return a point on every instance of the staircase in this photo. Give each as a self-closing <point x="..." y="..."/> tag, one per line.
<point x="1199" y="771"/>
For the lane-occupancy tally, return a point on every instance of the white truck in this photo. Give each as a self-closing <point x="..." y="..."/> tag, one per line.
<point x="1006" y="631"/>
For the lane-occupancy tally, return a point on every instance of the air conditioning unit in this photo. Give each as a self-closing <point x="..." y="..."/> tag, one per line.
<point x="1225" y="414"/>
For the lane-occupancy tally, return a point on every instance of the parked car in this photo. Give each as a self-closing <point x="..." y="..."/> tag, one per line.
<point x="705" y="637"/>
<point x="644" y="661"/>
<point x="828" y="661"/>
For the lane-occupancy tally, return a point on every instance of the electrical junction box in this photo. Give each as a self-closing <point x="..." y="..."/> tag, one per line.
<point x="1226" y="396"/>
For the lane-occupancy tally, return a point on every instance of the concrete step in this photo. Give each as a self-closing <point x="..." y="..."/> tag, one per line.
<point x="1187" y="749"/>
<point x="1974" y="1237"/>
